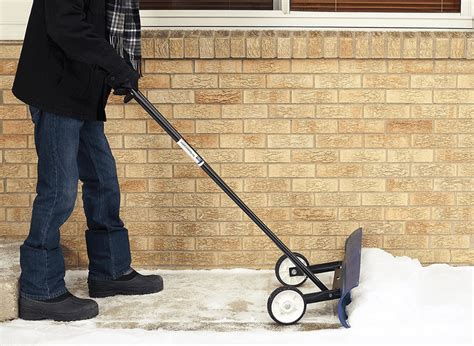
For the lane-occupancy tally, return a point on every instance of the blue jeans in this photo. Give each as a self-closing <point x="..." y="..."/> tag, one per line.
<point x="68" y="150"/>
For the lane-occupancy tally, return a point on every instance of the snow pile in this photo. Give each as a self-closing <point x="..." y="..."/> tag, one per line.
<point x="399" y="294"/>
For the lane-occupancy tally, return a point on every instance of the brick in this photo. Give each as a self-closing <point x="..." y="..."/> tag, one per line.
<point x="291" y="170"/>
<point x="455" y="155"/>
<point x="221" y="214"/>
<point x="218" y="66"/>
<point x="337" y="81"/>
<point x="247" y="81"/>
<point x="244" y="170"/>
<point x="314" y="214"/>
<point x="409" y="184"/>
<point x="454" y="126"/>
<point x="19" y="156"/>
<point x="361" y="126"/>
<point x="433" y="81"/>
<point x="13" y="171"/>
<point x="465" y="198"/>
<point x="394" y="44"/>
<point x="14" y="112"/>
<point x="197" y="111"/>
<point x="289" y="81"/>
<point x="290" y="200"/>
<point x="454" y="96"/>
<point x="339" y="111"/>
<point x="386" y="81"/>
<point x="386" y="141"/>
<point x="466" y="111"/>
<point x="410" y="66"/>
<point x="267" y="185"/>
<point x="191" y="47"/>
<point x="432" y="198"/>
<point x="284" y="47"/>
<point x="433" y="170"/>
<point x="291" y="111"/>
<point x="244" y="111"/>
<point x="408" y="213"/>
<point x="147" y="141"/>
<point x="435" y="140"/>
<point x="267" y="155"/>
<point x="337" y="199"/>
<point x="14" y="200"/>
<point x="465" y="81"/>
<point x="239" y="259"/>
<point x="17" y="127"/>
<point x="290" y="141"/>
<point x="266" y="66"/>
<point x="266" y="126"/>
<point x="310" y="243"/>
<point x="339" y="170"/>
<point x="219" y="244"/>
<point x="378" y="43"/>
<point x="206" y="185"/>
<point x="450" y="241"/>
<point x="362" y="66"/>
<point x="314" y="185"/>
<point x="315" y="45"/>
<point x="410" y="45"/>
<point x="405" y="242"/>
<point x="20" y="185"/>
<point x="452" y="213"/>
<point x="184" y="81"/>
<point x="218" y="96"/>
<point x="13" y="141"/>
<point x="386" y="170"/>
<point x="269" y="47"/>
<point x="428" y="227"/>
<point x="462" y="256"/>
<point x="206" y="47"/>
<point x="425" y="49"/>
<point x="330" y="44"/>
<point x="385" y="199"/>
<point x="148" y="200"/>
<point x="453" y="184"/>
<point x="219" y="126"/>
<point x="162" y="49"/>
<point x="338" y="141"/>
<point x="313" y="96"/>
<point x="147" y="171"/>
<point x="152" y="81"/>
<point x="10" y="51"/>
<point x="433" y="111"/>
<point x="168" y="66"/>
<point x="315" y="156"/>
<point x="410" y="155"/>
<point x="409" y="96"/>
<point x="463" y="227"/>
<point x="314" y="66"/>
<point x="242" y="140"/>
<point x="171" y="96"/>
<point x="171" y="214"/>
<point x="201" y="229"/>
<point x="364" y="185"/>
<point x="360" y="213"/>
<point x="266" y="96"/>
<point x="409" y="126"/>
<point x="222" y="47"/>
<point x="253" y="200"/>
<point x="364" y="155"/>
<point x="314" y="126"/>
<point x="454" y="66"/>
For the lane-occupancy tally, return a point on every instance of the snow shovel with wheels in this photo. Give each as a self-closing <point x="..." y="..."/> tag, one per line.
<point x="287" y="304"/>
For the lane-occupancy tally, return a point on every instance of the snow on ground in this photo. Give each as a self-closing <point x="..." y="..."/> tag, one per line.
<point x="398" y="301"/>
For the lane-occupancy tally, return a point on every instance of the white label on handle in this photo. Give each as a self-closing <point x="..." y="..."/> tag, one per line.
<point x="191" y="153"/>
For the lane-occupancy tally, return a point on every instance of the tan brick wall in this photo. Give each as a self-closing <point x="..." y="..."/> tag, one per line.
<point x="319" y="132"/>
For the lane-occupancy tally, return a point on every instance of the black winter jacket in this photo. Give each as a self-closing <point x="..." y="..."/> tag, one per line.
<point x="66" y="59"/>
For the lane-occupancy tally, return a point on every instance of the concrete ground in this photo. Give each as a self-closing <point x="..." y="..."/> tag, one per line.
<point x="214" y="300"/>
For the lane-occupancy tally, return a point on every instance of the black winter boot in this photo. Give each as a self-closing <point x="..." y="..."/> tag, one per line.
<point x="63" y="308"/>
<point x="132" y="283"/>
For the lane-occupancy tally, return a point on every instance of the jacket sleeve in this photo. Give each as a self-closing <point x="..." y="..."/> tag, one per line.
<point x="67" y="27"/>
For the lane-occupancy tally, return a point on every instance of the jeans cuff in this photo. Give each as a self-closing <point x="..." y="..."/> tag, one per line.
<point x="51" y="296"/>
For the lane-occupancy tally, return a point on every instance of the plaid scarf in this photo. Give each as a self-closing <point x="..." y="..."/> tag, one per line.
<point x="123" y="28"/>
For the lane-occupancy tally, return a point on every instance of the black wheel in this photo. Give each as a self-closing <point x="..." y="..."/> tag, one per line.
<point x="282" y="271"/>
<point x="286" y="305"/>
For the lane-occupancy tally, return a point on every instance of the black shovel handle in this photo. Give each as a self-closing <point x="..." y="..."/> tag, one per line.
<point x="164" y="123"/>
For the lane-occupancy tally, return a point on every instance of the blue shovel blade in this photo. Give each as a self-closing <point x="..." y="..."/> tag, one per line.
<point x="350" y="273"/>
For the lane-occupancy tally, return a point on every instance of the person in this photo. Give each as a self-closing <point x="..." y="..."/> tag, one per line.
<point x="74" y="53"/>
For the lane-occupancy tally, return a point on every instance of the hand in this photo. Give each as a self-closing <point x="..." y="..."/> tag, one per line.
<point x="124" y="82"/>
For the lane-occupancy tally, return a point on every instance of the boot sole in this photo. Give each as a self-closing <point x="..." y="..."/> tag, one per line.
<point x="111" y="293"/>
<point x="37" y="315"/>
